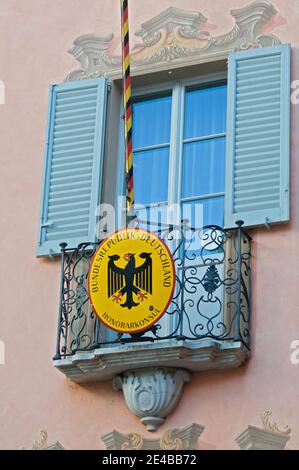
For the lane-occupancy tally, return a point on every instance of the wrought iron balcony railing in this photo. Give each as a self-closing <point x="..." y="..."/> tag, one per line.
<point x="211" y="298"/>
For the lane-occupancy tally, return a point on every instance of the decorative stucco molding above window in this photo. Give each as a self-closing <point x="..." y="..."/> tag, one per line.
<point x="172" y="39"/>
<point x="253" y="438"/>
<point x="270" y="437"/>
<point x="41" y="443"/>
<point x="173" y="439"/>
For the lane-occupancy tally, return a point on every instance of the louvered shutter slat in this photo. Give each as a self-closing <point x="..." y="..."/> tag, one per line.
<point x="258" y="127"/>
<point x="74" y="154"/>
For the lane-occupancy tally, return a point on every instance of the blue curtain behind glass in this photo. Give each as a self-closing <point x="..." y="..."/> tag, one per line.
<point x="151" y="127"/>
<point x="203" y="158"/>
<point x="204" y="151"/>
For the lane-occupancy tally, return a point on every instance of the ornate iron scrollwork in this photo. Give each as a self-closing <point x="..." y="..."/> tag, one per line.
<point x="211" y="298"/>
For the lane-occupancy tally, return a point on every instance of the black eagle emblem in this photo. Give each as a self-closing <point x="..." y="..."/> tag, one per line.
<point x="130" y="280"/>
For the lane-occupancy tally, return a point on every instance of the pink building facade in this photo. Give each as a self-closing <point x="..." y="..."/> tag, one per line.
<point x="212" y="392"/>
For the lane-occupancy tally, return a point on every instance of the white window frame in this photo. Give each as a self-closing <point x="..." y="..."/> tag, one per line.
<point x="178" y="88"/>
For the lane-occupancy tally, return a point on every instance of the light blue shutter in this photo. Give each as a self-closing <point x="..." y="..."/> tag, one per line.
<point x="73" y="164"/>
<point x="258" y="134"/>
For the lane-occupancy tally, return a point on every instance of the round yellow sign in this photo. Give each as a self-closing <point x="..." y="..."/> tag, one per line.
<point x="131" y="280"/>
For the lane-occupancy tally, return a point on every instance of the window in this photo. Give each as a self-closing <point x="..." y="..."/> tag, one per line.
<point x="203" y="154"/>
<point x="151" y="149"/>
<point x="179" y="136"/>
<point x="185" y="156"/>
<point x="179" y="139"/>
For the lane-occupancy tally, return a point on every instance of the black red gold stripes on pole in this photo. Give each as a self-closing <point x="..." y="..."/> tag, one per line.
<point x="127" y="103"/>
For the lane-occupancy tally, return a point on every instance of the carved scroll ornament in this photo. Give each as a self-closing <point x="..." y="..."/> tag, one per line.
<point x="175" y="38"/>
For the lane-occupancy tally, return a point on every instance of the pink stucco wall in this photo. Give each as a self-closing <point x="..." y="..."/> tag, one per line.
<point x="34" y="38"/>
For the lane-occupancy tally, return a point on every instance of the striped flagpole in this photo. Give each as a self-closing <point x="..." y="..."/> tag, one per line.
<point x="127" y="104"/>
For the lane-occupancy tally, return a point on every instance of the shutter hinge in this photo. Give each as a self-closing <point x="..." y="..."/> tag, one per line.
<point x="267" y="222"/>
<point x="47" y="224"/>
<point x="51" y="254"/>
<point x="109" y="86"/>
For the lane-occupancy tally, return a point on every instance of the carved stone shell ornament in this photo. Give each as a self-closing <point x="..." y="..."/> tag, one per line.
<point x="153" y="393"/>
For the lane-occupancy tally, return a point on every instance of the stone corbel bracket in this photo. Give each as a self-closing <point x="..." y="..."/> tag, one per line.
<point x="152" y="393"/>
<point x="172" y="39"/>
<point x="173" y="439"/>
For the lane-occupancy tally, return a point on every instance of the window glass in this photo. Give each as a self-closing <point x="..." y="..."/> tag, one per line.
<point x="203" y="167"/>
<point x="151" y="128"/>
<point x="152" y="218"/>
<point x="203" y="159"/>
<point x="203" y="153"/>
<point x="212" y="210"/>
<point x="205" y="112"/>
<point x="150" y="169"/>
<point x="151" y="122"/>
